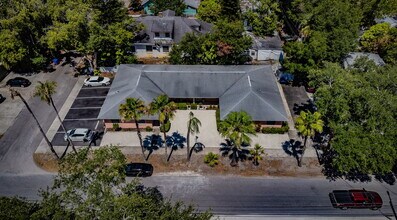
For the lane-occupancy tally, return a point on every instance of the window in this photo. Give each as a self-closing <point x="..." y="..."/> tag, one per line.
<point x="156" y="34"/>
<point x="252" y="53"/>
<point x="167" y="34"/>
<point x="166" y="49"/>
<point x="149" y="48"/>
<point x="133" y="49"/>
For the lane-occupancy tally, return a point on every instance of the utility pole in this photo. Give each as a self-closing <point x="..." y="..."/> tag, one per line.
<point x="391" y="205"/>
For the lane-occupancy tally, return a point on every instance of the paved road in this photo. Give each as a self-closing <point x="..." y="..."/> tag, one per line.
<point x="233" y="195"/>
<point x="21" y="140"/>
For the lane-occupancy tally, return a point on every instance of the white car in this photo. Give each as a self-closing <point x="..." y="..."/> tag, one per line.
<point x="97" y="81"/>
<point x="79" y="134"/>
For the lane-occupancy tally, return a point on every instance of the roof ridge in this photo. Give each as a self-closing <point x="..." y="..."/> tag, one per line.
<point x="147" y="76"/>
<point x="238" y="102"/>
<point x="267" y="103"/>
<point x="243" y="75"/>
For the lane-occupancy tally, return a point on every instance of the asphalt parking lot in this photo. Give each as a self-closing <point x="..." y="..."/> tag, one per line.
<point x="83" y="114"/>
<point x="297" y="99"/>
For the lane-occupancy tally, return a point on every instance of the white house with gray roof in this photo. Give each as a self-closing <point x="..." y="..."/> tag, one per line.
<point x="249" y="88"/>
<point x="161" y="32"/>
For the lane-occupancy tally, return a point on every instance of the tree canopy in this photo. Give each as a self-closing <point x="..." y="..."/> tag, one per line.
<point x="359" y="105"/>
<point x="178" y="6"/>
<point x="263" y="17"/>
<point x="92" y="185"/>
<point x="209" y="11"/>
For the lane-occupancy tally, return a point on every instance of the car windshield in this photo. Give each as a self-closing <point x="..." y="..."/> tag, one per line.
<point x="100" y="78"/>
<point x="72" y="131"/>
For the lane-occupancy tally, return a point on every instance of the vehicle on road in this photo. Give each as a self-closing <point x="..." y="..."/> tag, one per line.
<point x="2" y="98"/>
<point x="18" y="81"/>
<point x="286" y="78"/>
<point x="355" y="199"/>
<point x="97" y="81"/>
<point x="138" y="169"/>
<point x="79" y="134"/>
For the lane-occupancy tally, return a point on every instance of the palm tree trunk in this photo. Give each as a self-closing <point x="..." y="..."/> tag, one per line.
<point x="165" y="141"/>
<point x="38" y="124"/>
<point x="188" y="142"/>
<point x="169" y="156"/>
<point x="138" y="131"/>
<point x="63" y="127"/>
<point x="303" y="152"/>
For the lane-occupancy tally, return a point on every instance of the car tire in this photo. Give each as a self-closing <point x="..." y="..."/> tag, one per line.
<point x="88" y="85"/>
<point x="374" y="209"/>
<point x="343" y="208"/>
<point x="23" y="86"/>
<point x="104" y="84"/>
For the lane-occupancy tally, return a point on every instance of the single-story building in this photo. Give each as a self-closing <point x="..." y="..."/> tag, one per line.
<point x="351" y="58"/>
<point x="161" y="32"/>
<point x="268" y="48"/>
<point x="249" y="88"/>
<point x="191" y="7"/>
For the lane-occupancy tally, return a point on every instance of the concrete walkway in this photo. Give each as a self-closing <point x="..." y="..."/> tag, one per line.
<point x="209" y="136"/>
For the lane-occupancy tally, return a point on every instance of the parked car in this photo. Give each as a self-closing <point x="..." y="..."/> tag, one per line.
<point x="286" y="78"/>
<point x="138" y="169"/>
<point x="355" y="199"/>
<point x="97" y="81"/>
<point x="2" y="98"/>
<point x="18" y="81"/>
<point x="79" y="134"/>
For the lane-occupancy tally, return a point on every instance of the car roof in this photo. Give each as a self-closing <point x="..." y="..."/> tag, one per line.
<point x="81" y="130"/>
<point x="20" y="78"/>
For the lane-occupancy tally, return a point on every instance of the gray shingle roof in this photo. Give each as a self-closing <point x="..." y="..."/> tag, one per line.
<point x="175" y="25"/>
<point x="250" y="88"/>
<point x="352" y="57"/>
<point x="191" y="3"/>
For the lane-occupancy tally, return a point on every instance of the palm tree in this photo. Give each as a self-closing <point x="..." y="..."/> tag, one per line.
<point x="45" y="91"/>
<point x="192" y="128"/>
<point x="308" y="124"/>
<point x="256" y="154"/>
<point x="237" y="127"/>
<point x="165" y="110"/>
<point x="134" y="109"/>
<point x="14" y="94"/>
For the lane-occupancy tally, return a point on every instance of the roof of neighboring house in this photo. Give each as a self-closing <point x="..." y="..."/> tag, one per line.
<point x="391" y="20"/>
<point x="191" y="3"/>
<point x="268" y="43"/>
<point x="250" y="88"/>
<point x="175" y="25"/>
<point x="352" y="57"/>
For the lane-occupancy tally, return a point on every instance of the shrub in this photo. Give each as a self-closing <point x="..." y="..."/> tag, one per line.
<point x="194" y="106"/>
<point x="211" y="159"/>
<point x="167" y="127"/>
<point x="182" y="106"/>
<point x="148" y="129"/>
<point x="116" y="127"/>
<point x="282" y="130"/>
<point x="257" y="128"/>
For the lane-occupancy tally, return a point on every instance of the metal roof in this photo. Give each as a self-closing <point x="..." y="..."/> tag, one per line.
<point x="351" y="58"/>
<point x="250" y="88"/>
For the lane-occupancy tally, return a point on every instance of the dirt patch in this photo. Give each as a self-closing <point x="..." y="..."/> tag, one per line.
<point x="178" y="163"/>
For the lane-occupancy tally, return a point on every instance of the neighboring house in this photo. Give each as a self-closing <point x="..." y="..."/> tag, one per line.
<point x="161" y="32"/>
<point x="264" y="49"/>
<point x="351" y="58"/>
<point x="391" y="20"/>
<point x="250" y="88"/>
<point x="191" y="7"/>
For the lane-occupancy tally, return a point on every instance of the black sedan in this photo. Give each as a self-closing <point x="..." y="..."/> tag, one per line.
<point x="18" y="81"/>
<point x="138" y="169"/>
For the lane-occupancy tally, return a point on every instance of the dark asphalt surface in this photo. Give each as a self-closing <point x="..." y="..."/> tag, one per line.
<point x="92" y="102"/>
<point x="86" y="113"/>
<point x="93" y="92"/>
<point x="296" y="97"/>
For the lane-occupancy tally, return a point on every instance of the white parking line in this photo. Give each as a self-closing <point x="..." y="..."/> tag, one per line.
<point x="86" y="108"/>
<point x="80" y="119"/>
<point x="96" y="126"/>
<point x="93" y="97"/>
<point x="107" y="87"/>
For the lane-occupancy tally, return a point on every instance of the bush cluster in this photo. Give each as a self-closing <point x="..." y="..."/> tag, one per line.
<point x="167" y="127"/>
<point x="282" y="130"/>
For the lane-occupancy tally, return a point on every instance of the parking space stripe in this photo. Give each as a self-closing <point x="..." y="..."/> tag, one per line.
<point x="95" y="87"/>
<point x="96" y="126"/>
<point x="86" y="108"/>
<point x="81" y="119"/>
<point x="88" y="97"/>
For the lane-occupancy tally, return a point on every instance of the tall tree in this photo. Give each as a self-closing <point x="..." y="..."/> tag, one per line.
<point x="193" y="127"/>
<point x="308" y="124"/>
<point x="45" y="91"/>
<point x="230" y="9"/>
<point x="209" y="11"/>
<point x="178" y="6"/>
<point x="166" y="111"/>
<point x="262" y="16"/>
<point x="134" y="109"/>
<point x="237" y="127"/>
<point x="15" y="93"/>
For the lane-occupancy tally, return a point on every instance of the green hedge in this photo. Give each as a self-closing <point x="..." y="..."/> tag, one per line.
<point x="282" y="130"/>
<point x="167" y="127"/>
<point x="194" y="106"/>
<point x="182" y="106"/>
<point x="148" y="129"/>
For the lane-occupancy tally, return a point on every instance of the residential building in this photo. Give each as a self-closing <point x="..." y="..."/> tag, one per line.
<point x="351" y="58"/>
<point x="191" y="7"/>
<point x="266" y="49"/>
<point x="249" y="88"/>
<point x="161" y="32"/>
<point x="390" y="20"/>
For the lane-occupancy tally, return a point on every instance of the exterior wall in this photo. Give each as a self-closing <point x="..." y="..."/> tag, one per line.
<point x="140" y="51"/>
<point x="270" y="124"/>
<point x="189" y="11"/>
<point x="268" y="55"/>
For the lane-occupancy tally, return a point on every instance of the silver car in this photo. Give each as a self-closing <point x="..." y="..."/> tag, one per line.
<point x="79" y="134"/>
<point x="97" y="81"/>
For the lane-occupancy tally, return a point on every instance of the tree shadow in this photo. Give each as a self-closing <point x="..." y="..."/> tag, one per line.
<point x="304" y="106"/>
<point x="293" y="148"/>
<point x="228" y="148"/>
<point x="175" y="141"/>
<point x="332" y="173"/>
<point x="151" y="143"/>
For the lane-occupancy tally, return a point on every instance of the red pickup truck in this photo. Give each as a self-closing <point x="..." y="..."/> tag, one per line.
<point x="357" y="198"/>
